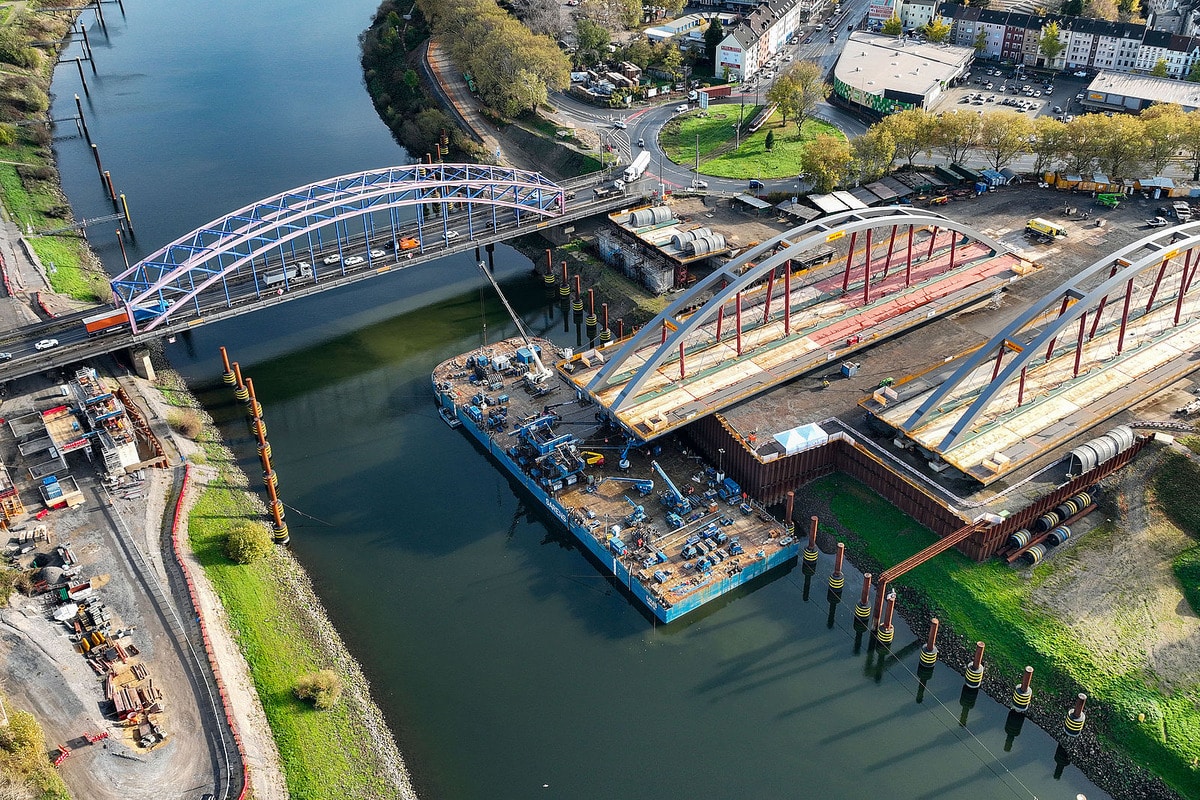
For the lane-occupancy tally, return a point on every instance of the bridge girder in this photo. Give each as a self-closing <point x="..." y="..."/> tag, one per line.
<point x="1163" y="246"/>
<point x="794" y="242"/>
<point x="176" y="274"/>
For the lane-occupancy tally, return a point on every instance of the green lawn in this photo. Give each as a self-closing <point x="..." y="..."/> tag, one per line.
<point x="990" y="602"/>
<point x="679" y="136"/>
<point x="30" y="203"/>
<point x="713" y="133"/>
<point x="752" y="160"/>
<point x="320" y="750"/>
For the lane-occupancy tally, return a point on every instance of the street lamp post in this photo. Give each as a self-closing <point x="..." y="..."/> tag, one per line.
<point x="720" y="462"/>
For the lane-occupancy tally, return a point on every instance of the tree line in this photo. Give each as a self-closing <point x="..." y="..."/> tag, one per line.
<point x="1120" y="146"/>
<point x="513" y="67"/>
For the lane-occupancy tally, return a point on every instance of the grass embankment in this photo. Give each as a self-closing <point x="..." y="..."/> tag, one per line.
<point x="1175" y="487"/>
<point x="29" y="185"/>
<point x="325" y="754"/>
<point x="25" y="771"/>
<point x="751" y="159"/>
<point x="991" y="602"/>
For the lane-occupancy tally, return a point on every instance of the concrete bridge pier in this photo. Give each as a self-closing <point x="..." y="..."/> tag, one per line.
<point x="141" y="362"/>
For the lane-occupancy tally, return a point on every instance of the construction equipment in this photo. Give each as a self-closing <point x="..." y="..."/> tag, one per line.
<point x="644" y="486"/>
<point x="672" y="498"/>
<point x="637" y="515"/>
<point x="63" y="752"/>
<point x="537" y="377"/>
<point x="592" y="459"/>
<point x="1110" y="200"/>
<point x="623" y="462"/>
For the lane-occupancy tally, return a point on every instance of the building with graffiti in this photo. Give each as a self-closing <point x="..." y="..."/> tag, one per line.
<point x="884" y="74"/>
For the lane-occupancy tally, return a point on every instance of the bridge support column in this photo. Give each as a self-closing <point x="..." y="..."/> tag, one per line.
<point x="141" y="363"/>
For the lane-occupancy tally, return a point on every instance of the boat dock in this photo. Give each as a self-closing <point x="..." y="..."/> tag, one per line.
<point x="667" y="525"/>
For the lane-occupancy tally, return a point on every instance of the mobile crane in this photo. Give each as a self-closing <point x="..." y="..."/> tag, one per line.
<point x="537" y="377"/>
<point x="672" y="498"/>
<point x="644" y="486"/>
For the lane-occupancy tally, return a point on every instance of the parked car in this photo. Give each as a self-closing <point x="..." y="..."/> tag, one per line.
<point x="1080" y="74"/>
<point x="1157" y="222"/>
<point x="46" y="344"/>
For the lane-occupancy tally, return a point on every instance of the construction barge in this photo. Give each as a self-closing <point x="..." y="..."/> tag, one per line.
<point x="673" y="530"/>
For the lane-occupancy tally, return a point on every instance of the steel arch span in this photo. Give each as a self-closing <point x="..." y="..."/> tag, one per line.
<point x="1113" y="314"/>
<point x="671" y="329"/>
<point x="230" y="254"/>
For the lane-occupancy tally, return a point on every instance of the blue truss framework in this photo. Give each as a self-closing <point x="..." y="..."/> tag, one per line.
<point x="239" y="244"/>
<point x="1121" y="267"/>
<point x="743" y="272"/>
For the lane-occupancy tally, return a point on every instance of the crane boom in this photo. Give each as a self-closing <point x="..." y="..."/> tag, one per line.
<point x="680" y="500"/>
<point x="542" y="373"/>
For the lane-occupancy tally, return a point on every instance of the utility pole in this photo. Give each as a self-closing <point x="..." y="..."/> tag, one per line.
<point x="737" y="132"/>
<point x="697" y="151"/>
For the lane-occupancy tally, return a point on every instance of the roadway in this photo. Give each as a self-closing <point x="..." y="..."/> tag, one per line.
<point x="623" y="129"/>
<point x="73" y="344"/>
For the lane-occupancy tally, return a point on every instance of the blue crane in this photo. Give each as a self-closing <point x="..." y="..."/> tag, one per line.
<point x="644" y="486"/>
<point x="673" y="498"/>
<point x="637" y="515"/>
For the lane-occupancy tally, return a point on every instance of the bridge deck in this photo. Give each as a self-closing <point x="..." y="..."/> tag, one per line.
<point x="1056" y="405"/>
<point x="825" y="325"/>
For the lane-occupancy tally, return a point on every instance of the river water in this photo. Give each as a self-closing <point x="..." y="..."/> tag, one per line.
<point x="506" y="665"/>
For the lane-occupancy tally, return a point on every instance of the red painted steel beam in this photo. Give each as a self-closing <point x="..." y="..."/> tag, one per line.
<point x="1079" y="344"/>
<point x="887" y="263"/>
<point x="739" y="323"/>
<point x="1124" y="316"/>
<point x="1162" y="269"/>
<point x="940" y="546"/>
<point x="1054" y="340"/>
<point x="767" y="300"/>
<point x="849" y="262"/>
<point x="867" y="271"/>
<point x="908" y="259"/>
<point x="787" y="299"/>
<point x="1183" y="278"/>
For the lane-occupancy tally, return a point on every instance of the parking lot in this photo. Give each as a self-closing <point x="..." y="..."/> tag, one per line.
<point x="989" y="88"/>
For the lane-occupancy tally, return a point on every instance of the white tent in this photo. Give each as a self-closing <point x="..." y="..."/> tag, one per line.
<point x="802" y="438"/>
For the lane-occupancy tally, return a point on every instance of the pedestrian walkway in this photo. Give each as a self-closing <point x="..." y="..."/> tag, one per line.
<point x="452" y="91"/>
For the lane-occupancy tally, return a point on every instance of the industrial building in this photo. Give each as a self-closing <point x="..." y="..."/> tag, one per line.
<point x="1115" y="91"/>
<point x="884" y="74"/>
<point x="655" y="249"/>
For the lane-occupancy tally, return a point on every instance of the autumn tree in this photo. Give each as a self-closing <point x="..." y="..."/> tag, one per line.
<point x="937" y="31"/>
<point x="912" y="131"/>
<point x="874" y="153"/>
<point x="1159" y="70"/>
<point x="980" y="41"/>
<point x="1122" y="143"/>
<point x="713" y="34"/>
<point x="1049" y="44"/>
<point x="1193" y="73"/>
<point x="956" y="134"/>
<point x="893" y="26"/>
<point x="1164" y="126"/>
<point x="541" y="16"/>
<point x="1190" y="142"/>
<point x="1083" y="142"/>
<point x="826" y="161"/>
<point x="1048" y="143"/>
<point x="1003" y="135"/>
<point x="613" y="14"/>
<point x="591" y="41"/>
<point x="798" y="92"/>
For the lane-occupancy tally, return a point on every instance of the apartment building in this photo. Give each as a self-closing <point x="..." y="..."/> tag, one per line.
<point x="759" y="35"/>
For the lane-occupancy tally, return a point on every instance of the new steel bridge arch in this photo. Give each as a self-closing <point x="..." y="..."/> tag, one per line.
<point x="779" y="250"/>
<point x="207" y="258"/>
<point x="1075" y="301"/>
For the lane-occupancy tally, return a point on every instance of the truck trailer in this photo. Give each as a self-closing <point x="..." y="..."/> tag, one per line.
<point x="291" y="273"/>
<point x="638" y="167"/>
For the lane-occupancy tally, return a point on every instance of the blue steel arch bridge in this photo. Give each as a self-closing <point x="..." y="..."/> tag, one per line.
<point x="308" y="240"/>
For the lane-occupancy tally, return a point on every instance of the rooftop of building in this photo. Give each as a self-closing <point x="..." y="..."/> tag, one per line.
<point x="1145" y="87"/>
<point x="874" y="63"/>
